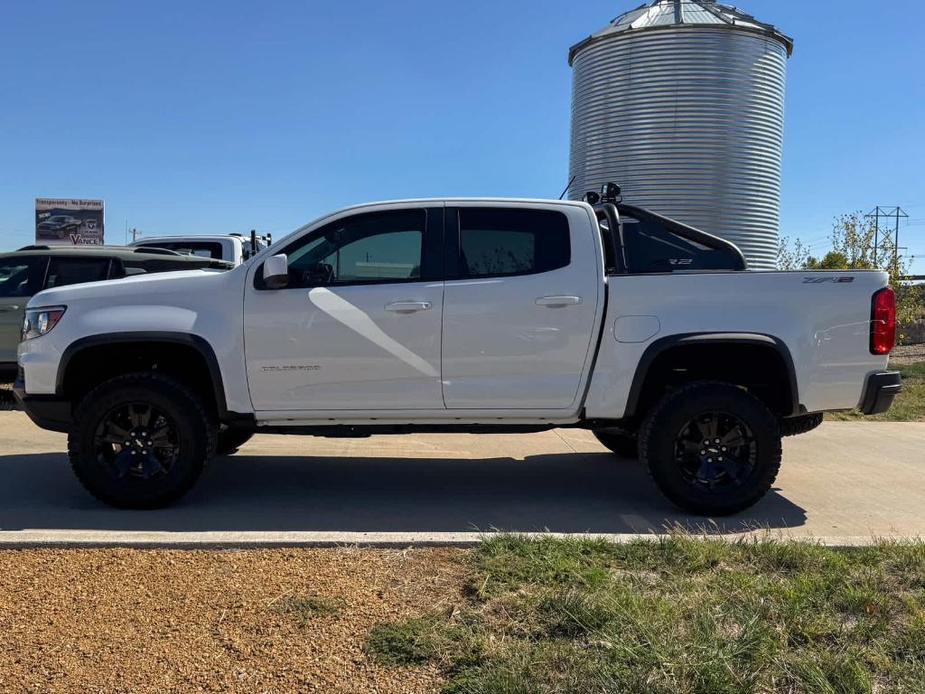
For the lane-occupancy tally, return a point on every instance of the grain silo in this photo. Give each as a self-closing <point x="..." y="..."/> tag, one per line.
<point x="681" y="102"/>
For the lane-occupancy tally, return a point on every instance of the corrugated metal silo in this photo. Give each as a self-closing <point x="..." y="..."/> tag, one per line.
<point x="681" y="102"/>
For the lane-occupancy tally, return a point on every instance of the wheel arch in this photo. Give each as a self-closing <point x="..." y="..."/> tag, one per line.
<point x="657" y="354"/>
<point x="180" y="343"/>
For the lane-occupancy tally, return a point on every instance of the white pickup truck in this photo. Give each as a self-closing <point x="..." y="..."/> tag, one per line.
<point x="234" y="248"/>
<point x="468" y="315"/>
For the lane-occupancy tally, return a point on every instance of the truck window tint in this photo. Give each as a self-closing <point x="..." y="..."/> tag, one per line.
<point x="497" y="242"/>
<point x="203" y="249"/>
<point x="377" y="247"/>
<point x="21" y="276"/>
<point x="651" y="246"/>
<point x="64" y="271"/>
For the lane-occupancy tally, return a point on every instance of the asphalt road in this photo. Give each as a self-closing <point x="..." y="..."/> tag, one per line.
<point x="845" y="483"/>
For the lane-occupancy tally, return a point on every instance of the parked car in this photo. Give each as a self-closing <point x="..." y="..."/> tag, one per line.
<point x="59" y="226"/>
<point x="462" y="315"/>
<point x="234" y="248"/>
<point x="34" y="268"/>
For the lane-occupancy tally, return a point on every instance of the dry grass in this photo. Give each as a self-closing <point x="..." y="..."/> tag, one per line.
<point x="674" y="616"/>
<point x="159" y="621"/>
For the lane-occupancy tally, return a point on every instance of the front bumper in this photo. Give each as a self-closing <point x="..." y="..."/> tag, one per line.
<point x="879" y="392"/>
<point x="47" y="411"/>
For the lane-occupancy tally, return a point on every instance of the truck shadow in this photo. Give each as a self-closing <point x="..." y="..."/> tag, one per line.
<point x="574" y="492"/>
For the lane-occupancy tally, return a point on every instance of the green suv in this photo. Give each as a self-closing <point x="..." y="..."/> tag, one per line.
<point x="29" y="270"/>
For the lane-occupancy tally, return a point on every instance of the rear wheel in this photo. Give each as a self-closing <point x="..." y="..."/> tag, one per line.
<point x="712" y="448"/>
<point x="140" y="441"/>
<point x="623" y="443"/>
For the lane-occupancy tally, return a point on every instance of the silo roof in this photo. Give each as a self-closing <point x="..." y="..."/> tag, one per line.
<point x="673" y="13"/>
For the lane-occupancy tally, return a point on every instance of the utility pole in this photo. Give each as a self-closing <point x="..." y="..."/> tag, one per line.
<point x="895" y="213"/>
<point x="896" y="238"/>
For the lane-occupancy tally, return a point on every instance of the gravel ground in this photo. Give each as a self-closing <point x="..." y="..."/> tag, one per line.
<point x="156" y="621"/>
<point x="908" y="354"/>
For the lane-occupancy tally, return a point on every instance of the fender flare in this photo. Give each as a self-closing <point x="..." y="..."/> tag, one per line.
<point x="198" y="343"/>
<point x="662" y="345"/>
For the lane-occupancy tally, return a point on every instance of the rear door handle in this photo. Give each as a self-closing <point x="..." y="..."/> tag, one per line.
<point x="558" y="301"/>
<point x="7" y="309"/>
<point x="408" y="306"/>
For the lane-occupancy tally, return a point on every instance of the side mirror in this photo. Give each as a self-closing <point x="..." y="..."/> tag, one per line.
<point x="276" y="271"/>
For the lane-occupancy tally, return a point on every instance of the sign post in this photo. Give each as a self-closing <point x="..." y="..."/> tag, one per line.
<point x="66" y="222"/>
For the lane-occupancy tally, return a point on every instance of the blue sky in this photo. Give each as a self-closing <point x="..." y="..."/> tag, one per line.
<point x="208" y="117"/>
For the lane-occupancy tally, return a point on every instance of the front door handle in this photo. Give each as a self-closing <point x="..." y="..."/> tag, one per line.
<point x="7" y="309"/>
<point x="408" y="306"/>
<point x="558" y="301"/>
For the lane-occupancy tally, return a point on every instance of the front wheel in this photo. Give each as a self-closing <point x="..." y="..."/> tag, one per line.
<point x="140" y="441"/>
<point x="712" y="448"/>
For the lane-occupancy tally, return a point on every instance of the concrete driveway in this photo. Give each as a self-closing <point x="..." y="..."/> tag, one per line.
<point x="845" y="483"/>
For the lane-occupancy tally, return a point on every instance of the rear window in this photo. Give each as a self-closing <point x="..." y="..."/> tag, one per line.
<point x="499" y="242"/>
<point x="655" y="244"/>
<point x="203" y="249"/>
<point x="65" y="271"/>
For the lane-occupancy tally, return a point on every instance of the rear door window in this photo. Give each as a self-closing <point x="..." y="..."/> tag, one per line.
<point x="63" y="271"/>
<point x="500" y="242"/>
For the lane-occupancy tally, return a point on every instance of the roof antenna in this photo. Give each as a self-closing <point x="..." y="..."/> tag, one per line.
<point x="570" y="182"/>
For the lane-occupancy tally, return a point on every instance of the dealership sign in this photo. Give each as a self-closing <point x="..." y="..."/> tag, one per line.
<point x="65" y="222"/>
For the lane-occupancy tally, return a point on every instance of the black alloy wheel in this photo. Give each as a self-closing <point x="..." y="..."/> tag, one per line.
<point x="141" y="440"/>
<point x="716" y="450"/>
<point x="137" y="440"/>
<point x="712" y="448"/>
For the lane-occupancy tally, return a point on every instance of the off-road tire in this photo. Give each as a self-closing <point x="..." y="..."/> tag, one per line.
<point x="195" y="431"/>
<point x="794" y="426"/>
<point x="623" y="443"/>
<point x="230" y="439"/>
<point x="669" y="416"/>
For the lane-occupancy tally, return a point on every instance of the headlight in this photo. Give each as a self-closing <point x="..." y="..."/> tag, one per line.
<point x="40" y="321"/>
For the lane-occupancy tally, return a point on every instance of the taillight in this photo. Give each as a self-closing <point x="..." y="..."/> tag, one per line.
<point x="883" y="322"/>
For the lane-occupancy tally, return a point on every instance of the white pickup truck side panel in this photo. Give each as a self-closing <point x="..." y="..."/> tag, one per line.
<point x="508" y="344"/>
<point x="341" y="348"/>
<point x="824" y="324"/>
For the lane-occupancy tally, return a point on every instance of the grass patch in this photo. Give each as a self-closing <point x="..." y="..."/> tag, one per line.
<point x="909" y="406"/>
<point x="305" y="608"/>
<point x="675" y="615"/>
